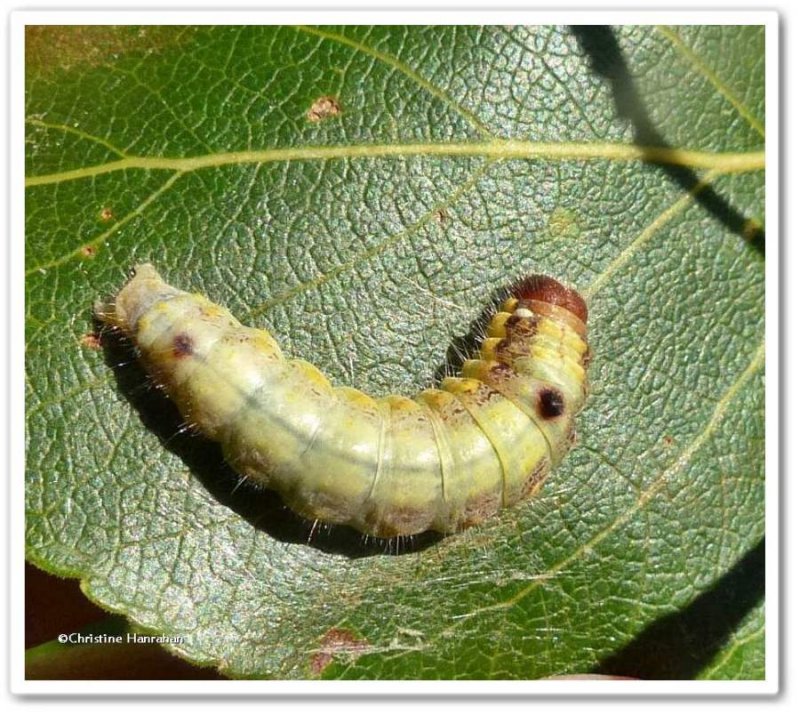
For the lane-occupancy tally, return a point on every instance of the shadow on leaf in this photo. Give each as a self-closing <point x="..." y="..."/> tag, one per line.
<point x="466" y="346"/>
<point x="681" y="645"/>
<point x="605" y="56"/>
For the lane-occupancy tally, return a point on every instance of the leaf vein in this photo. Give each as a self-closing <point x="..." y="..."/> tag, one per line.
<point x="403" y="68"/>
<point x="705" y="71"/>
<point x="728" y="162"/>
<point x="100" y="239"/>
<point x="376" y="250"/>
<point x="756" y="363"/>
<point x="649" y="231"/>
<point x="77" y="132"/>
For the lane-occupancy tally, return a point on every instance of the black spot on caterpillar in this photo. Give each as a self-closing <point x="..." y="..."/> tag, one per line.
<point x="442" y="461"/>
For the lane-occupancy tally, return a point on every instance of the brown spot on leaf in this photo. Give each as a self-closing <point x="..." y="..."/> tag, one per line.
<point x="441" y="216"/>
<point x="337" y="641"/>
<point x="320" y="661"/>
<point x="324" y="108"/>
<point x="91" y="341"/>
<point x="106" y="214"/>
<point x="88" y="251"/>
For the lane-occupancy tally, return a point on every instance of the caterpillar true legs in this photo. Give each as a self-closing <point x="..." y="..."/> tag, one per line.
<point x="444" y="460"/>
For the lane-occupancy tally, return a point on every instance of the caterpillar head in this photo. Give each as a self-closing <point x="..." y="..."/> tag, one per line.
<point x="548" y="290"/>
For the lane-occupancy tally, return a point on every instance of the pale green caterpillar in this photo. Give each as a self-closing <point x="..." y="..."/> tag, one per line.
<point x="444" y="460"/>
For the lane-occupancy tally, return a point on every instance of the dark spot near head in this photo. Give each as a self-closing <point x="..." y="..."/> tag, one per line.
<point x="549" y="290"/>
<point x="323" y="108"/>
<point x="512" y="321"/>
<point x="550" y="404"/>
<point x="182" y="345"/>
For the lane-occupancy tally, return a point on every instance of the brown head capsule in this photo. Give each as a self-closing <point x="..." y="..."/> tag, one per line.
<point x="549" y="290"/>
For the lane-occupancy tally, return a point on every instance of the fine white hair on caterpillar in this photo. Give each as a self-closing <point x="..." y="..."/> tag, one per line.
<point x="394" y="466"/>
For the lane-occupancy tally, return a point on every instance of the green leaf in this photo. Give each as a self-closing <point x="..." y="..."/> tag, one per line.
<point x="742" y="657"/>
<point x="628" y="162"/>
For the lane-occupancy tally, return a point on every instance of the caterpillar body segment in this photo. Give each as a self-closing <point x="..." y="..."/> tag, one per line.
<point x="445" y="460"/>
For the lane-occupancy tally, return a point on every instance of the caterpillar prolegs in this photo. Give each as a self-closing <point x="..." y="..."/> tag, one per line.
<point x="444" y="460"/>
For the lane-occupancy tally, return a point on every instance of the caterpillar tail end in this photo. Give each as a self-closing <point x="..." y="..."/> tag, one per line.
<point x="144" y="288"/>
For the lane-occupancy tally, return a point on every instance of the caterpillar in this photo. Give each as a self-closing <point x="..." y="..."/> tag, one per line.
<point x="444" y="460"/>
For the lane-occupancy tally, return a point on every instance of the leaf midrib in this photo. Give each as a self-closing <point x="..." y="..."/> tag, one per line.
<point x="494" y="149"/>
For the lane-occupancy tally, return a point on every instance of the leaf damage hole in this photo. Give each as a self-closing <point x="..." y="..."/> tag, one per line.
<point x="323" y="108"/>
<point x="337" y="641"/>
